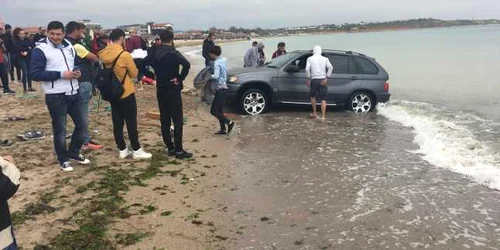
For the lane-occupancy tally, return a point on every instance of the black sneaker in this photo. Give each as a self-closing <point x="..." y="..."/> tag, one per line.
<point x="171" y="152"/>
<point x="221" y="133"/>
<point x="9" y="92"/>
<point x="66" y="167"/>
<point x="183" y="155"/>
<point x="80" y="159"/>
<point x="230" y="127"/>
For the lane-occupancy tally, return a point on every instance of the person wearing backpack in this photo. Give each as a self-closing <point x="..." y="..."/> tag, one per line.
<point x="53" y="62"/>
<point x="124" y="106"/>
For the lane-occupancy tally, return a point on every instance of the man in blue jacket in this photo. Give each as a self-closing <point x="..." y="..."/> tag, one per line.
<point x="54" y="64"/>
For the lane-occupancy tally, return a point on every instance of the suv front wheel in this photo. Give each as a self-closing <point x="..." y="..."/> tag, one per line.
<point x="361" y="102"/>
<point x="254" y="102"/>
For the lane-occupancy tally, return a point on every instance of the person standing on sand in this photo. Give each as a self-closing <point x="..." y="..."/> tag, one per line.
<point x="8" y="40"/>
<point x="4" y="75"/>
<point x="208" y="44"/>
<point x="281" y="50"/>
<point x="318" y="69"/>
<point x="253" y="57"/>
<point x="74" y="34"/>
<point x="23" y="47"/>
<point x="53" y="62"/>
<point x="9" y="184"/>
<point x="124" y="109"/>
<point x="220" y="75"/>
<point x="166" y="62"/>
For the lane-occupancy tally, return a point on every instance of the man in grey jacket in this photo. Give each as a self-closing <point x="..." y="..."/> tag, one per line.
<point x="252" y="57"/>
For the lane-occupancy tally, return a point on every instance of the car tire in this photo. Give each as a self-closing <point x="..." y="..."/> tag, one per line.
<point x="361" y="102"/>
<point x="254" y="102"/>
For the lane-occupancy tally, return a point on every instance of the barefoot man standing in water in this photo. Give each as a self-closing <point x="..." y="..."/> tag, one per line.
<point x="318" y="69"/>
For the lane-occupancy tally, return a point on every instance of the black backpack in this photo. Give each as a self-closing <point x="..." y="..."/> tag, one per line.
<point x="108" y="84"/>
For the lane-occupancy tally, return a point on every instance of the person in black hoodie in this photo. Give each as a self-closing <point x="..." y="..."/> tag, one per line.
<point x="23" y="48"/>
<point x="208" y="44"/>
<point x="9" y="184"/>
<point x="11" y="52"/>
<point x="166" y="62"/>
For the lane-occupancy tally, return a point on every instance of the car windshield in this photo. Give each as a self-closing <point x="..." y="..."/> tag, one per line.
<point x="282" y="60"/>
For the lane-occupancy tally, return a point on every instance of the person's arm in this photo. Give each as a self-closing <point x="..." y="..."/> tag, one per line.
<point x="185" y="66"/>
<point x="37" y="66"/>
<point x="308" y="68"/>
<point x="329" y="67"/>
<point x="129" y="64"/>
<point x="9" y="179"/>
<point x="205" y="49"/>
<point x="216" y="74"/>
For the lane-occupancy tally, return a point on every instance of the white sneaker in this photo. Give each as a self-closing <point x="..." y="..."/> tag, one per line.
<point x="141" y="155"/>
<point x="125" y="153"/>
<point x="80" y="159"/>
<point x="66" y="167"/>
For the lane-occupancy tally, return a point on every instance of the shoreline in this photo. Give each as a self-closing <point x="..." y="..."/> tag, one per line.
<point x="124" y="204"/>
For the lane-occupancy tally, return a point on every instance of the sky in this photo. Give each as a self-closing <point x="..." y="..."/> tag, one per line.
<point x="203" y="14"/>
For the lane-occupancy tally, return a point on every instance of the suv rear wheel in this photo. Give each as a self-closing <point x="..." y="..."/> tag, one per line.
<point x="361" y="102"/>
<point x="254" y="102"/>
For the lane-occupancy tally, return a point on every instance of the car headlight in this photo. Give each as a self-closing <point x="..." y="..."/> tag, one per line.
<point x="233" y="79"/>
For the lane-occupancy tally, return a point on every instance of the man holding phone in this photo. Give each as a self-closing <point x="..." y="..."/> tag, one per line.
<point x="54" y="64"/>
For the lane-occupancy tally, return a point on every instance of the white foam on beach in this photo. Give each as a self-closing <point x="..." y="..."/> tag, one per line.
<point x="194" y="52"/>
<point x="447" y="141"/>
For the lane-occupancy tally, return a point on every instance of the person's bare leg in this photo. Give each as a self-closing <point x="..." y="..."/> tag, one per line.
<point x="313" y="104"/>
<point x="323" y="109"/>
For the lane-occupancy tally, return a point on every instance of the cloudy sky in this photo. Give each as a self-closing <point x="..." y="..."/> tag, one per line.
<point x="190" y="14"/>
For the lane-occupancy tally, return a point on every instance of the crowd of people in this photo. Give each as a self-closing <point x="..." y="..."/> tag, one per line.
<point x="67" y="67"/>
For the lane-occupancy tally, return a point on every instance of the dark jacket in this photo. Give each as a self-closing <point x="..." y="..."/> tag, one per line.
<point x="87" y="68"/>
<point x="207" y="46"/>
<point x="166" y="62"/>
<point x="8" y="40"/>
<point x="38" y="37"/>
<point x="23" y="46"/>
<point x="9" y="184"/>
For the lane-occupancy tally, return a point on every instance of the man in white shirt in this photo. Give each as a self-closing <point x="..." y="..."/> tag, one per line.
<point x="318" y="69"/>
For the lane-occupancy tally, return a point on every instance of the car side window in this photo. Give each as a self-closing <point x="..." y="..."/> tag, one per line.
<point x="366" y="67"/>
<point x="340" y="63"/>
<point x="301" y="62"/>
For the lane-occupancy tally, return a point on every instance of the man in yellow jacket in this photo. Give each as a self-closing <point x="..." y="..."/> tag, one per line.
<point x="124" y="110"/>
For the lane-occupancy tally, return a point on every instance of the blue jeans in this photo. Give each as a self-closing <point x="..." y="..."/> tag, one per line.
<point x="86" y="92"/>
<point x="60" y="105"/>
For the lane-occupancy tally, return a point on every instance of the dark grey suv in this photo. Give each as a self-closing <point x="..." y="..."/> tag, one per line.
<point x="358" y="82"/>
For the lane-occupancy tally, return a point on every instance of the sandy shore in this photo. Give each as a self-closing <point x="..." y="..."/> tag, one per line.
<point x="115" y="204"/>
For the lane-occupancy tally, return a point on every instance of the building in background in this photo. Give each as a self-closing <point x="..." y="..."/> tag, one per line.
<point x="142" y="29"/>
<point x="156" y="28"/>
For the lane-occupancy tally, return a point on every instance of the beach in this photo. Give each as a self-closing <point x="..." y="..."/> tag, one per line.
<point x="420" y="172"/>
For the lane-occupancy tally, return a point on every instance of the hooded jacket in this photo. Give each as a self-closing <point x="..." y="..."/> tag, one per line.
<point x="220" y="73"/>
<point x="252" y="57"/>
<point x="318" y="66"/>
<point x="166" y="61"/>
<point x="124" y="69"/>
<point x="49" y="61"/>
<point x="9" y="184"/>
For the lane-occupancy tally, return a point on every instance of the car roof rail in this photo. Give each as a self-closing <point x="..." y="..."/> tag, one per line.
<point x="345" y="51"/>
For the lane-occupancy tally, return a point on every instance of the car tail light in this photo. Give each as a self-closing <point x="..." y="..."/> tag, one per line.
<point x="386" y="86"/>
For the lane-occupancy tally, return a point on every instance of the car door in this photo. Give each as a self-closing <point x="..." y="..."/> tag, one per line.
<point x="344" y="78"/>
<point x="292" y="86"/>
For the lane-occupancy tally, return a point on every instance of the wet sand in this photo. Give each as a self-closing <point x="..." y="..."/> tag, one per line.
<point x="349" y="183"/>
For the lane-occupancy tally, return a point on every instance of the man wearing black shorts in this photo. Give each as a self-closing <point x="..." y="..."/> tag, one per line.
<point x="318" y="69"/>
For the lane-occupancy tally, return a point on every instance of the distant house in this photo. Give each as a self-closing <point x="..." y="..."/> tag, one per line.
<point x="156" y="28"/>
<point x="142" y="30"/>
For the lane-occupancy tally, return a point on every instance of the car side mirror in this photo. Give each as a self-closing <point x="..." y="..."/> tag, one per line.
<point x="292" y="68"/>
